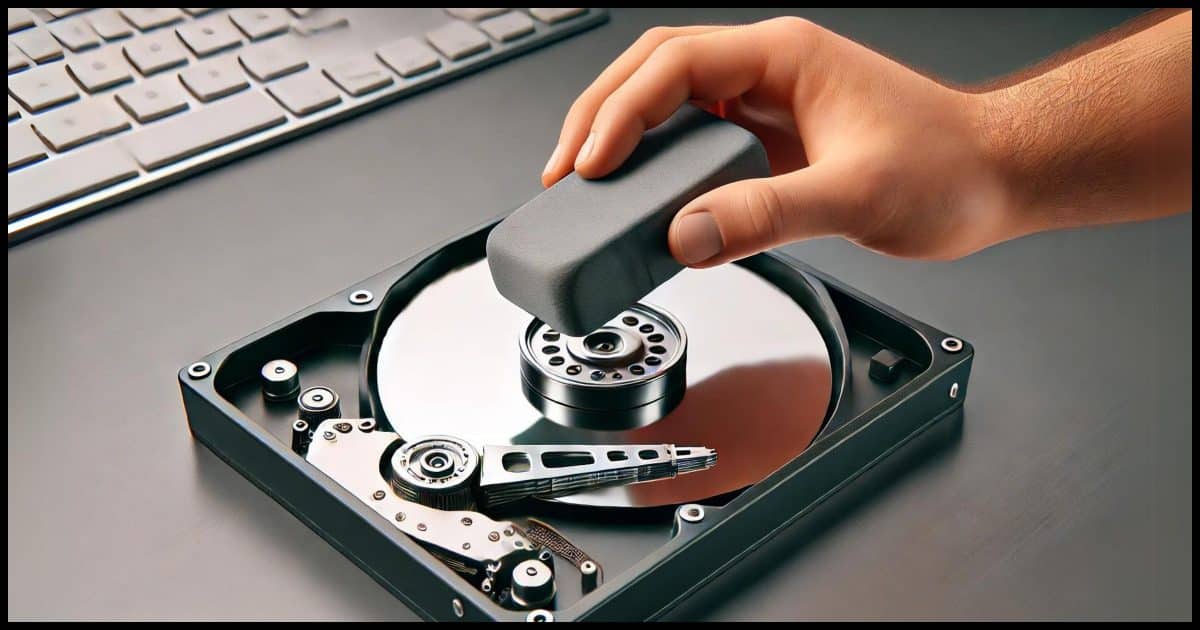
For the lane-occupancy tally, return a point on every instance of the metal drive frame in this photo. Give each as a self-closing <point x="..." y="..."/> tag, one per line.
<point x="706" y="540"/>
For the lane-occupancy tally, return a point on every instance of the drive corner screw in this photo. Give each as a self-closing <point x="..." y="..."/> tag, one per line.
<point x="199" y="370"/>
<point x="952" y="344"/>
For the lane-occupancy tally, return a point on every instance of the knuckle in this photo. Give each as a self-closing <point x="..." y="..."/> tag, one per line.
<point x="672" y="56"/>
<point x="675" y="49"/>
<point x="582" y="104"/>
<point x="585" y="104"/>
<point x="657" y="35"/>
<point x="793" y="25"/>
<point x="764" y="210"/>
<point x="795" y="31"/>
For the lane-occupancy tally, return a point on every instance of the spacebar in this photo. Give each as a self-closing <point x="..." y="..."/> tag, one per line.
<point x="67" y="177"/>
<point x="170" y="141"/>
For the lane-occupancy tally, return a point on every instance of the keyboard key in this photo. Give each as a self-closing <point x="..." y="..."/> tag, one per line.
<point x="19" y="19"/>
<point x="16" y="60"/>
<point x="154" y="53"/>
<point x="555" y="15"/>
<point x="13" y="110"/>
<point x="74" y="34"/>
<point x="457" y="40"/>
<point x="261" y="23"/>
<point x="153" y="99"/>
<point x="146" y="19"/>
<point x="303" y="94"/>
<point x="100" y="69"/>
<point x="324" y="21"/>
<point x="359" y="75"/>
<point x="38" y="44"/>
<point x="214" y="79"/>
<point x="40" y="88"/>
<point x="474" y="14"/>
<point x="206" y="128"/>
<point x="197" y="12"/>
<point x="67" y="177"/>
<point x="272" y="60"/>
<point x="68" y="127"/>
<point x="109" y="24"/>
<point x="507" y="27"/>
<point x="59" y="14"/>
<point x="208" y="37"/>
<point x="408" y="57"/>
<point x="24" y="147"/>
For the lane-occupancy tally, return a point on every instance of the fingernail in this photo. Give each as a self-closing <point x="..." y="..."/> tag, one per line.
<point x="699" y="237"/>
<point x="585" y="152"/>
<point x="553" y="161"/>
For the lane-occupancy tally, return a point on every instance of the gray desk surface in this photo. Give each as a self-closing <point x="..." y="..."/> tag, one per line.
<point x="1069" y="495"/>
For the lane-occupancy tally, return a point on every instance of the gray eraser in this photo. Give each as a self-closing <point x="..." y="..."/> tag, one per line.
<point x="578" y="254"/>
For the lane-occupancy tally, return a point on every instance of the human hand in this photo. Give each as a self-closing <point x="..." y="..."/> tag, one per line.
<point x="859" y="145"/>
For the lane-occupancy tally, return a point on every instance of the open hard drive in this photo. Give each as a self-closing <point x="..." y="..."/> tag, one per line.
<point x="480" y="464"/>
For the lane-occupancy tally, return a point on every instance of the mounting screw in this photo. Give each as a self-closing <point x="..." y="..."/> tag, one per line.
<point x="952" y="344"/>
<point x="378" y="495"/>
<point x="466" y="520"/>
<point x="494" y="536"/>
<point x="400" y="517"/>
<point x="457" y="606"/>
<point x="540" y="616"/>
<point x="199" y="370"/>
<point x="361" y="296"/>
<point x="691" y="513"/>
<point x="366" y="426"/>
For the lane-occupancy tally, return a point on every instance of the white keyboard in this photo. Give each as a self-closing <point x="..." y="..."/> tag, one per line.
<point x="108" y="103"/>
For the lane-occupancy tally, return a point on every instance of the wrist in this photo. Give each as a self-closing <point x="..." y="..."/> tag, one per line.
<point x="1007" y="159"/>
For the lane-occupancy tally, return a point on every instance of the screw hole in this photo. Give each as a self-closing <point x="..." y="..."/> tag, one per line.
<point x="198" y="370"/>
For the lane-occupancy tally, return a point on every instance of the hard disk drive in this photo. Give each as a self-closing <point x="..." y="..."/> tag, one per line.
<point x="480" y="464"/>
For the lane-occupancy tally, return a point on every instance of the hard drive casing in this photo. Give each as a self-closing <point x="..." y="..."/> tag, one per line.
<point x="868" y="422"/>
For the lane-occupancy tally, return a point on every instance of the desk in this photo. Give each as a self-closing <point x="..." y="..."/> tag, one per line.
<point x="1069" y="494"/>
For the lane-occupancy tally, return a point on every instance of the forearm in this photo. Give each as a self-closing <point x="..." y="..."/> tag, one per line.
<point x="1102" y="138"/>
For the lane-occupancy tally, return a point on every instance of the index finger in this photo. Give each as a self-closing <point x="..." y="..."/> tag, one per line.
<point x="709" y="67"/>
<point x="579" y="118"/>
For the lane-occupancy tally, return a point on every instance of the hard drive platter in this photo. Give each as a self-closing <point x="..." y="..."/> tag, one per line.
<point x="757" y="399"/>
<point x="481" y="465"/>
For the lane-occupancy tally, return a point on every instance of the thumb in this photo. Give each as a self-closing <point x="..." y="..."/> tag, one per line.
<point x="753" y="215"/>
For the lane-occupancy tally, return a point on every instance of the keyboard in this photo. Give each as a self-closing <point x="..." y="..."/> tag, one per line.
<point x="104" y="104"/>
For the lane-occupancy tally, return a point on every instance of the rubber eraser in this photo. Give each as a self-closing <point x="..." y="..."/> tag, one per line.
<point x="585" y="249"/>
